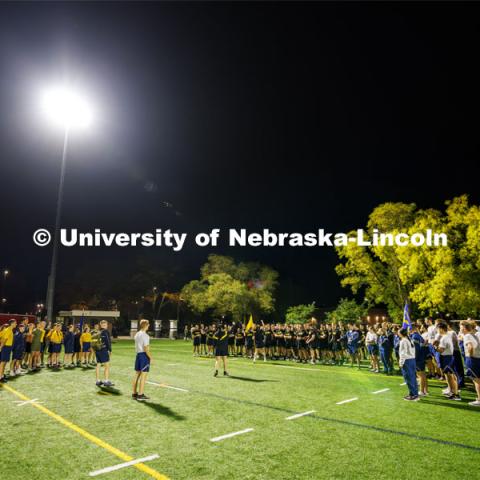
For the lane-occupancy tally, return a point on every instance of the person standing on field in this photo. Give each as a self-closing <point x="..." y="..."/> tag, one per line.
<point x="143" y="360"/>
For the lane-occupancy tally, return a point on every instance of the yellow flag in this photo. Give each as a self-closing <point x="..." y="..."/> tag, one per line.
<point x="249" y="324"/>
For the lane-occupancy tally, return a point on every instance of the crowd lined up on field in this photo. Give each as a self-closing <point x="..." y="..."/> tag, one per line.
<point x="28" y="347"/>
<point x="427" y="349"/>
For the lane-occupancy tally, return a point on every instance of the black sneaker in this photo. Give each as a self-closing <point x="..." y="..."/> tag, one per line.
<point x="457" y="398"/>
<point x="226" y="374"/>
<point x="216" y="373"/>
<point x="99" y="383"/>
<point x="411" y="398"/>
<point x="3" y="380"/>
<point x="142" y="398"/>
<point x="134" y="396"/>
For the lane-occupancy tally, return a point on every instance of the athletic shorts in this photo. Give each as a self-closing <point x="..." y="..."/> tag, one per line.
<point x="352" y="349"/>
<point x="28" y="347"/>
<point x="86" y="347"/>
<point x="102" y="356"/>
<point x="142" y="363"/>
<point x="55" y="347"/>
<point x="420" y="363"/>
<point x="68" y="349"/>
<point x="18" y="354"/>
<point x="196" y="341"/>
<point x="372" y="349"/>
<point x="473" y="367"/>
<point x="5" y="354"/>
<point x="447" y="363"/>
<point x="221" y="351"/>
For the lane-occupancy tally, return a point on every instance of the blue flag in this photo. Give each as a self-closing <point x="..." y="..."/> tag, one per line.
<point x="407" y="323"/>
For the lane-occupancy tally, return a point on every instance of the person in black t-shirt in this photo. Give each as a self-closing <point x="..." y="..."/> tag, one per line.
<point x="221" y="348"/>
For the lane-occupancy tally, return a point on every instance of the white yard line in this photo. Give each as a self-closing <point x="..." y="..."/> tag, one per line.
<point x="21" y="404"/>
<point x="163" y="385"/>
<point x="381" y="391"/>
<point x="298" y="415"/>
<point x="123" y="465"/>
<point x="229" y="435"/>
<point x="347" y="401"/>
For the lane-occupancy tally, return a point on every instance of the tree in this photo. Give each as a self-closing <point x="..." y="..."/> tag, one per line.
<point x="229" y="288"/>
<point x="347" y="311"/>
<point x="444" y="278"/>
<point x="300" y="313"/>
<point x="376" y="269"/>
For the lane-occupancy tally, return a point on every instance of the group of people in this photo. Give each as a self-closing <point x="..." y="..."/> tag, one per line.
<point x="426" y="349"/>
<point x="28" y="347"/>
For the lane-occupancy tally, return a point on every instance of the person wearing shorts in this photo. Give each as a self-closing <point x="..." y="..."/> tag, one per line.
<point x="143" y="360"/>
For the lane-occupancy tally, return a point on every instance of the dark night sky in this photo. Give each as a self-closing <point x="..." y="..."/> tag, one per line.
<point x="286" y="116"/>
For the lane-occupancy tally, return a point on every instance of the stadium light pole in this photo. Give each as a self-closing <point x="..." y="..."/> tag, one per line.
<point x="66" y="109"/>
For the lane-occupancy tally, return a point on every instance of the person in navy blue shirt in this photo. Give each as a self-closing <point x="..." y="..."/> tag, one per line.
<point x="18" y="350"/>
<point x="353" y="337"/>
<point x="421" y="350"/>
<point x="385" y="348"/>
<point x="69" y="347"/>
<point x="103" y="356"/>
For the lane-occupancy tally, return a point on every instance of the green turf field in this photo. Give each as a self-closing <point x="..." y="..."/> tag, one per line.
<point x="377" y="436"/>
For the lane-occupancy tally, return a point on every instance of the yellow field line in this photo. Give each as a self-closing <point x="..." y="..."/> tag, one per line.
<point x="92" y="438"/>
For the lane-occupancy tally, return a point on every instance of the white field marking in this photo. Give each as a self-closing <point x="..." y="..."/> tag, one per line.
<point x="21" y="404"/>
<point x="402" y="384"/>
<point x="381" y="391"/>
<point x="229" y="435"/>
<point x="347" y="401"/>
<point x="163" y="385"/>
<point x="298" y="415"/>
<point x="123" y="465"/>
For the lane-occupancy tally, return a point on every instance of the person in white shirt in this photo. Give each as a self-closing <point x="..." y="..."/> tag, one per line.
<point x="371" y="340"/>
<point x="444" y="346"/>
<point x="471" y="341"/>
<point x="143" y="360"/>
<point x="406" y="361"/>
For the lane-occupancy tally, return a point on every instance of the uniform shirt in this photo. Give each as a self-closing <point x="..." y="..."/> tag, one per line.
<point x="86" y="337"/>
<point x="142" y="340"/>
<point x="454" y="337"/>
<point x="106" y="340"/>
<point x="353" y="336"/>
<point x="406" y="350"/>
<point x="371" y="338"/>
<point x="446" y="343"/>
<point x="471" y="339"/>
<point x="7" y="337"/>
<point x="18" y="342"/>
<point x="56" y="337"/>
<point x="431" y="332"/>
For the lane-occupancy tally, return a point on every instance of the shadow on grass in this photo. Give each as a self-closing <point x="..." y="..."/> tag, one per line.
<point x="448" y="403"/>
<point x="109" y="391"/>
<point x="248" y="379"/>
<point x="163" y="410"/>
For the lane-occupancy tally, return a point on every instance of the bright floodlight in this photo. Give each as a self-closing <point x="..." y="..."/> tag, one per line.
<point x="66" y="108"/>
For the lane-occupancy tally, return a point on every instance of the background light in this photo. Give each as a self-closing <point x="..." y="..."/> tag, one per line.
<point x="66" y="108"/>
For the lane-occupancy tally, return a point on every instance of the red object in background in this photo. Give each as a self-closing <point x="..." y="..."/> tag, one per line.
<point x="5" y="317"/>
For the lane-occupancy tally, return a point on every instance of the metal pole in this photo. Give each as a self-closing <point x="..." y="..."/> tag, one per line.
<point x="53" y="266"/>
